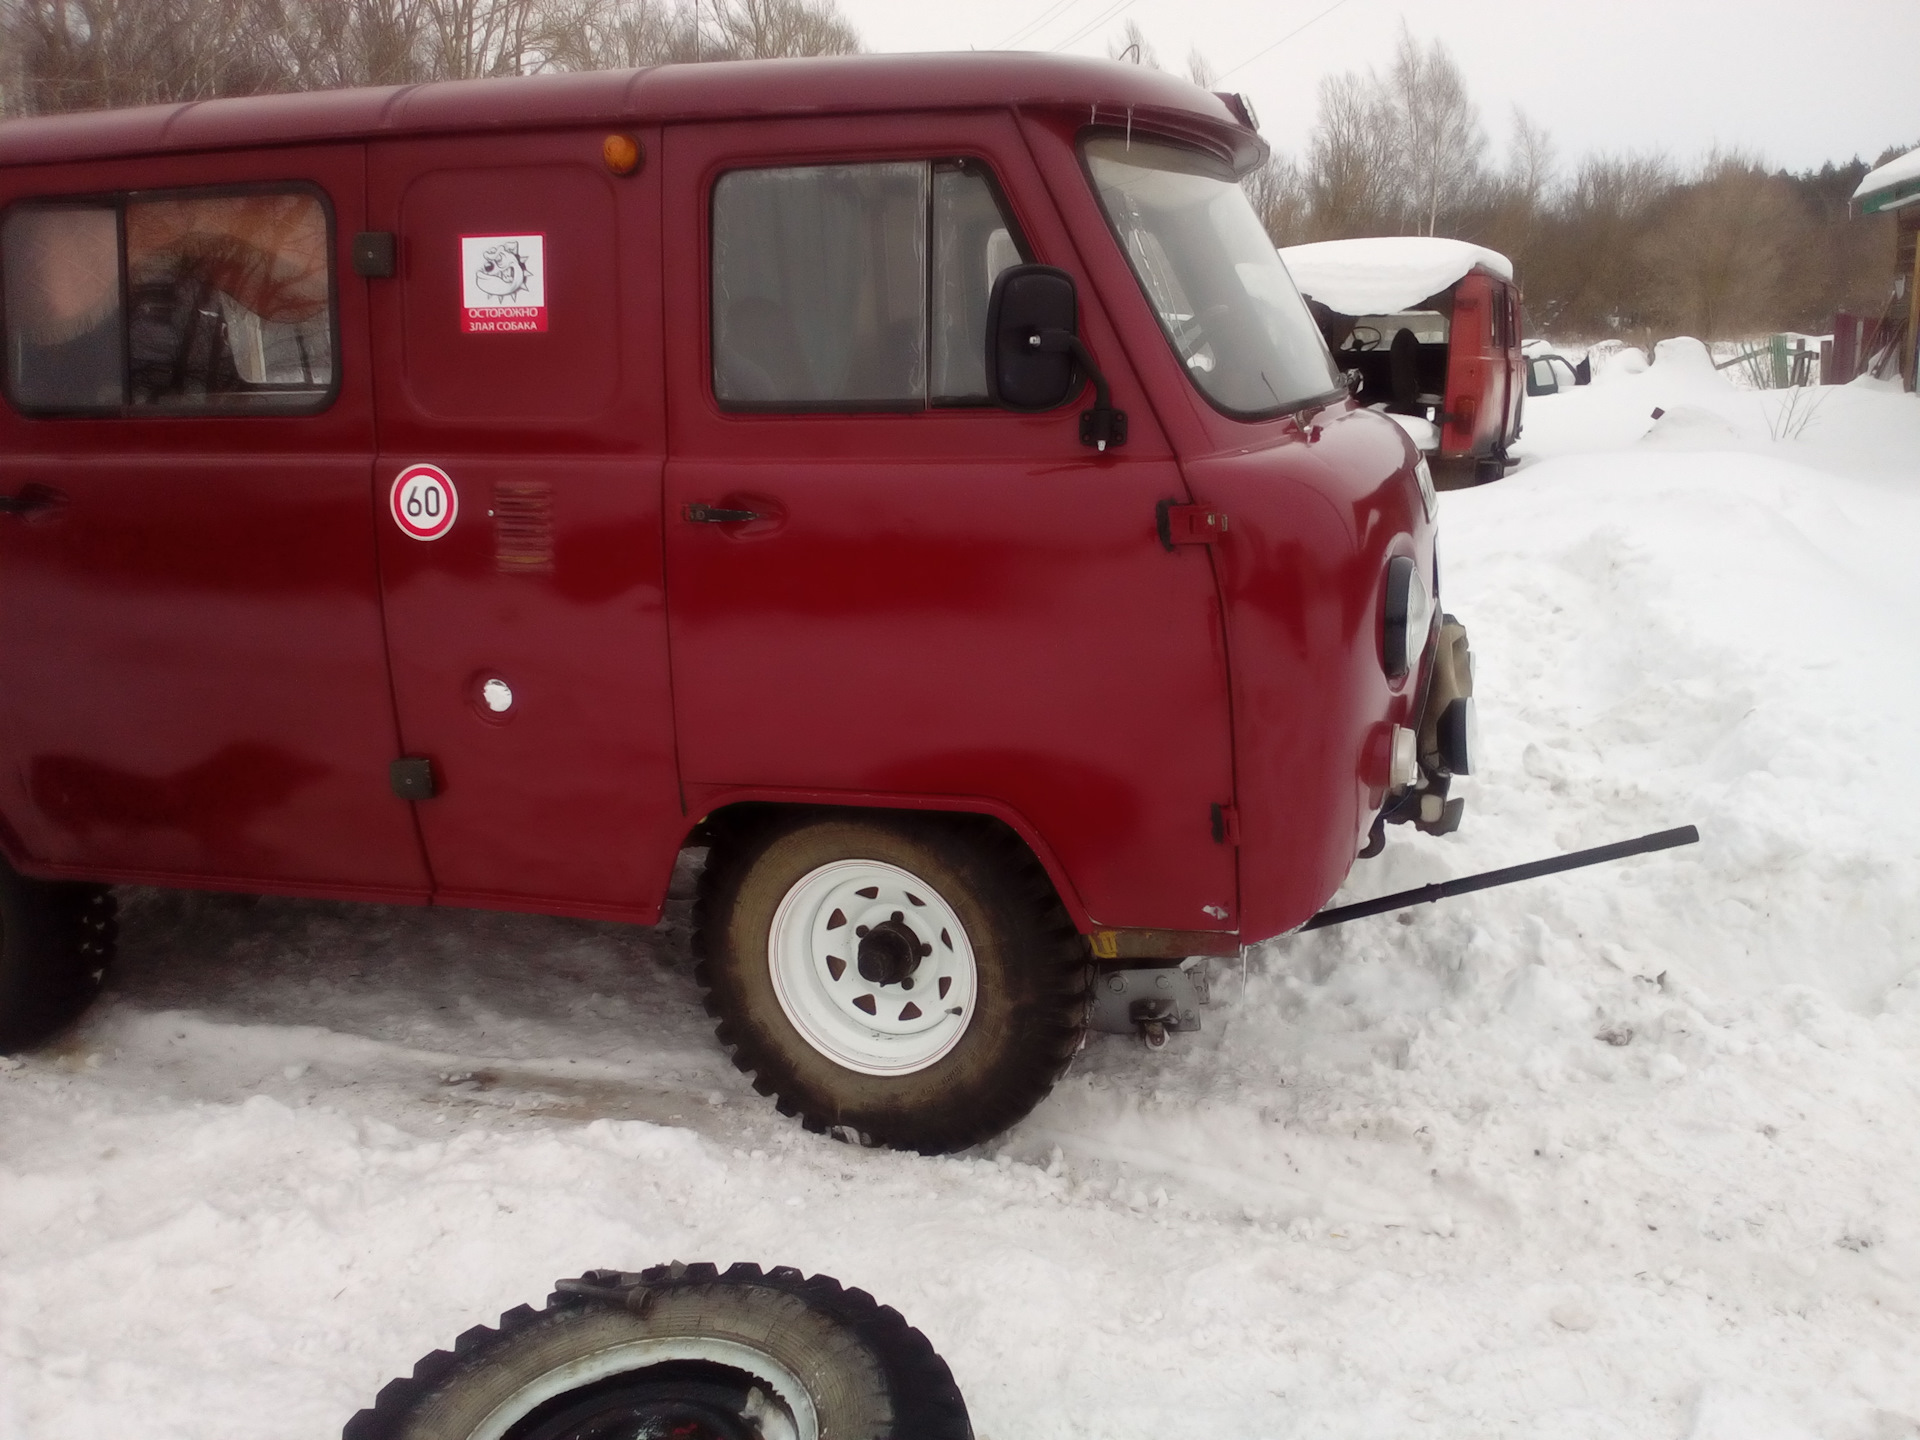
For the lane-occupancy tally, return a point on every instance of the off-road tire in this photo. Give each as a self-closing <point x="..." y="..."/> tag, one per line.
<point x="867" y="1373"/>
<point x="1032" y="974"/>
<point x="56" y="941"/>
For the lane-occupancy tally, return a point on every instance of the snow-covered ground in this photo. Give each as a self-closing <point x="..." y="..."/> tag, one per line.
<point x="1631" y="1152"/>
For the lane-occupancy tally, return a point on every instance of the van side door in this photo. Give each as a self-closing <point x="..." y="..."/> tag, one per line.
<point x="193" y="685"/>
<point x="517" y="360"/>
<point x="937" y="602"/>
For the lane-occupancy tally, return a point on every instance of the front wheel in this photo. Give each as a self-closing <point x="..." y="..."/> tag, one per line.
<point x="681" y="1351"/>
<point x="910" y="979"/>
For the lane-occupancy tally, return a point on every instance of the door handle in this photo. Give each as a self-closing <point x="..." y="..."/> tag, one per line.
<point x="713" y="515"/>
<point x="31" y="499"/>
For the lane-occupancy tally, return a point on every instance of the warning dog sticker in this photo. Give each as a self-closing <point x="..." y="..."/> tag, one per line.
<point x="504" y="278"/>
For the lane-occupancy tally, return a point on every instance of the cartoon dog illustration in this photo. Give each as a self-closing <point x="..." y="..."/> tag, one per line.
<point x="503" y="272"/>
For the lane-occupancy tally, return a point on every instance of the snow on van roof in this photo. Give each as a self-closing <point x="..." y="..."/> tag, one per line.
<point x="1894" y="172"/>
<point x="1387" y="273"/>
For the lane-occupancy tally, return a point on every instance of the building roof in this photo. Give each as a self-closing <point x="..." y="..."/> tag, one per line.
<point x="1386" y="273"/>
<point x="1106" y="91"/>
<point x="1891" y="186"/>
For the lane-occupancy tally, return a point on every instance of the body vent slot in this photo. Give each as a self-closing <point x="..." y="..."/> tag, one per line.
<point x="523" y="528"/>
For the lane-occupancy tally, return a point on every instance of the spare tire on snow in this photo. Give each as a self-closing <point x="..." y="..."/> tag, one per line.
<point x="681" y="1351"/>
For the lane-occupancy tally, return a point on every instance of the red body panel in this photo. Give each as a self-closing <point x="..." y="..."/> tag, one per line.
<point x="193" y="683"/>
<point x="550" y="579"/>
<point x="959" y="608"/>
<point x="1313" y="524"/>
<point x="1485" y="379"/>
<point x="1315" y="511"/>
<point x="963" y="603"/>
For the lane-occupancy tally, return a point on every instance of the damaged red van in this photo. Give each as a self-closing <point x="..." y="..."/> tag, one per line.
<point x="916" y="480"/>
<point x="1427" y="329"/>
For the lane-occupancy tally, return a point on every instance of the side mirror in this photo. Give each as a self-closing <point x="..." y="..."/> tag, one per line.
<point x="1027" y="301"/>
<point x="1035" y="357"/>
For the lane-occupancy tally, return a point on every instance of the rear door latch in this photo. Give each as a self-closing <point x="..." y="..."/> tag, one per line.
<point x="1188" y="524"/>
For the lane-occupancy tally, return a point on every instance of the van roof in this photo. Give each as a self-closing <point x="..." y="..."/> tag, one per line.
<point x="1109" y="92"/>
<point x="1383" y="274"/>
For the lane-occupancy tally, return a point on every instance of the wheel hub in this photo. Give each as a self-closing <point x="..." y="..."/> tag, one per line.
<point x="889" y="953"/>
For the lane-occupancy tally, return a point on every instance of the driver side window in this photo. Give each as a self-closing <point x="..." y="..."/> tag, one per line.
<point x="855" y="287"/>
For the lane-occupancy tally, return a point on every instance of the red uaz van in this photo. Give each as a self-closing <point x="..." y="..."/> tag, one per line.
<point x="1427" y="329"/>
<point x="916" y="479"/>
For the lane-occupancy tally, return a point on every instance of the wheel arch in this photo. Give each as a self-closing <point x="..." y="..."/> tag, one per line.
<point x="751" y="808"/>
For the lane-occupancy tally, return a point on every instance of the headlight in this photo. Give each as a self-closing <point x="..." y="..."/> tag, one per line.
<point x="1409" y="615"/>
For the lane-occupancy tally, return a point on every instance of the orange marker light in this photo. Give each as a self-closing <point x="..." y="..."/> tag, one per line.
<point x="622" y="154"/>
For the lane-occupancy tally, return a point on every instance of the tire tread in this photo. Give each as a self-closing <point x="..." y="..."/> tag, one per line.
<point x="926" y="1400"/>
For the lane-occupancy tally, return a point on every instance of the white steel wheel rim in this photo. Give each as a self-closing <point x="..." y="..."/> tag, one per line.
<point x="790" y="1415"/>
<point x="850" y="1003"/>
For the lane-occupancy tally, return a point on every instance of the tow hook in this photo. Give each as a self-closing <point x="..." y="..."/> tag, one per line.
<point x="1152" y="1004"/>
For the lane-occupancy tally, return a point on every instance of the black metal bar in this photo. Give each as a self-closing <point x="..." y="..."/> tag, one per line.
<point x="1488" y="879"/>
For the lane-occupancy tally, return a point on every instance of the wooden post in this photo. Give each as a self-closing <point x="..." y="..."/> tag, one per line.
<point x="1913" y="314"/>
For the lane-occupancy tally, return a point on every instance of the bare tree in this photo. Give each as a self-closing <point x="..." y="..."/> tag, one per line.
<point x="1595" y="279"/>
<point x="1352" y="180"/>
<point x="1440" y="142"/>
<point x="89" y="54"/>
<point x="1512" y="206"/>
<point x="1719" y="252"/>
<point x="1279" y="197"/>
<point x="472" y="39"/>
<point x="1530" y="160"/>
<point x="621" y="35"/>
<point x="776" y="29"/>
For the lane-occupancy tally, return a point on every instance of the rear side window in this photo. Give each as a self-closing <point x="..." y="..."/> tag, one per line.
<point x="183" y="303"/>
<point x="855" y="287"/>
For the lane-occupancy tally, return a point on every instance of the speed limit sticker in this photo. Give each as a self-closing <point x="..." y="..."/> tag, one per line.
<point x="424" y="502"/>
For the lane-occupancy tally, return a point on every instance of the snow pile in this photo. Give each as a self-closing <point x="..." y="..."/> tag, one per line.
<point x="1684" y="355"/>
<point x="1626" y="360"/>
<point x="1387" y="273"/>
<point x="1624" y="1153"/>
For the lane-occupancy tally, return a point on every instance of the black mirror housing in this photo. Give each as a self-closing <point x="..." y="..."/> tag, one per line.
<point x="1027" y="301"/>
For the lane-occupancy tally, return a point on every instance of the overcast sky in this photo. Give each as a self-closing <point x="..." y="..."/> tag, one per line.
<point x="1798" y="83"/>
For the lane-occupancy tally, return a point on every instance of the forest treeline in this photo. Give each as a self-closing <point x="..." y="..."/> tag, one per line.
<point x="64" y="55"/>
<point x="1636" y="245"/>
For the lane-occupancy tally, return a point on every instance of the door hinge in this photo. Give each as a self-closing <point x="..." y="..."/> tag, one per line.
<point x="1226" y="825"/>
<point x="1188" y="524"/>
<point x="412" y="778"/>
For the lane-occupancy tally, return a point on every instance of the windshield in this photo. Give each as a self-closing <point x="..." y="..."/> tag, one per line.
<point x="1223" y="297"/>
